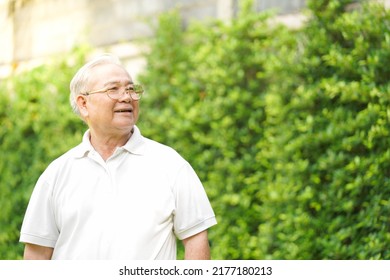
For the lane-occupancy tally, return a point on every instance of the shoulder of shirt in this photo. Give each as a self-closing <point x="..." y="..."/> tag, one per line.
<point x="156" y="148"/>
<point x="73" y="153"/>
<point x="164" y="156"/>
<point x="55" y="166"/>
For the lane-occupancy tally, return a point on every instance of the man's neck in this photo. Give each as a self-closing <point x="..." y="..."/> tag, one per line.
<point x="106" y="144"/>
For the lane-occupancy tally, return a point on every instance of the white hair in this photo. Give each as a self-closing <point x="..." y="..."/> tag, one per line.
<point x="80" y="80"/>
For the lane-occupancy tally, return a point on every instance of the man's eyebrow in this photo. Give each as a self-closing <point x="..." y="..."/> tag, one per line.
<point x="118" y="82"/>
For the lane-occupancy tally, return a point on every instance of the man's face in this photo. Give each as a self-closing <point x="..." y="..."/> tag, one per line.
<point x="103" y="114"/>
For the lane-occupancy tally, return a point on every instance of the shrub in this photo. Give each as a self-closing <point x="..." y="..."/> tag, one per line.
<point x="329" y="194"/>
<point x="288" y="130"/>
<point x="37" y="125"/>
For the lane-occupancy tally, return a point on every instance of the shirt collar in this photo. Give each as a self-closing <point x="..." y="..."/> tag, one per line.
<point x="135" y="145"/>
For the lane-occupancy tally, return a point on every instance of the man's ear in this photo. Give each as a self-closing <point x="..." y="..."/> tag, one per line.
<point x="81" y="102"/>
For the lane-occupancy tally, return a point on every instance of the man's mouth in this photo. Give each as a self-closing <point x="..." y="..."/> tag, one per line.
<point x="124" y="111"/>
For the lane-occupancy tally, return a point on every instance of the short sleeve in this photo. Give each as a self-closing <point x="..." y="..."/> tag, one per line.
<point x="39" y="225"/>
<point x="193" y="212"/>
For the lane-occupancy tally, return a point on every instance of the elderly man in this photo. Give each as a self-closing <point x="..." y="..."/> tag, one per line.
<point x="117" y="195"/>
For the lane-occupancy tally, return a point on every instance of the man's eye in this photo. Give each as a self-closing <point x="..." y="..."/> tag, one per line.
<point x="113" y="89"/>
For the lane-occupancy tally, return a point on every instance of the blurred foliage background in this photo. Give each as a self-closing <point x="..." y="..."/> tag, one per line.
<point x="289" y="130"/>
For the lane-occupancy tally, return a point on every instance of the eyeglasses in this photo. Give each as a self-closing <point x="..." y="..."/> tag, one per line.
<point x="115" y="93"/>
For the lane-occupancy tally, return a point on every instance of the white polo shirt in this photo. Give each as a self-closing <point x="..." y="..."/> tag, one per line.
<point x="132" y="206"/>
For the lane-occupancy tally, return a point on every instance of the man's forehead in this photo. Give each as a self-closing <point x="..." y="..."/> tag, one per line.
<point x="110" y="67"/>
<point x="109" y="74"/>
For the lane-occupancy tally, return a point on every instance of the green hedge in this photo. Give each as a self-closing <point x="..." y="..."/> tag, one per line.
<point x="328" y="197"/>
<point x="37" y="125"/>
<point x="288" y="129"/>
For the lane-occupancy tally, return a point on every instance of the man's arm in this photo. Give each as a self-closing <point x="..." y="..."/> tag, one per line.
<point x="197" y="247"/>
<point x="37" y="252"/>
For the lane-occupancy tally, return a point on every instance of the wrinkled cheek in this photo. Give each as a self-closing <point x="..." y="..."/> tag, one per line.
<point x="135" y="112"/>
<point x="136" y="116"/>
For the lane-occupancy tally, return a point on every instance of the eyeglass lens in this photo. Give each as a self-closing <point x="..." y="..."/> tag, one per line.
<point x="135" y="92"/>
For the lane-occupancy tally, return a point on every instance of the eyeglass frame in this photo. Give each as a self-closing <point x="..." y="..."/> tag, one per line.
<point x="106" y="90"/>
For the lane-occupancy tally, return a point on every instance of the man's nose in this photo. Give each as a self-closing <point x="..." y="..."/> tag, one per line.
<point x="126" y="96"/>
